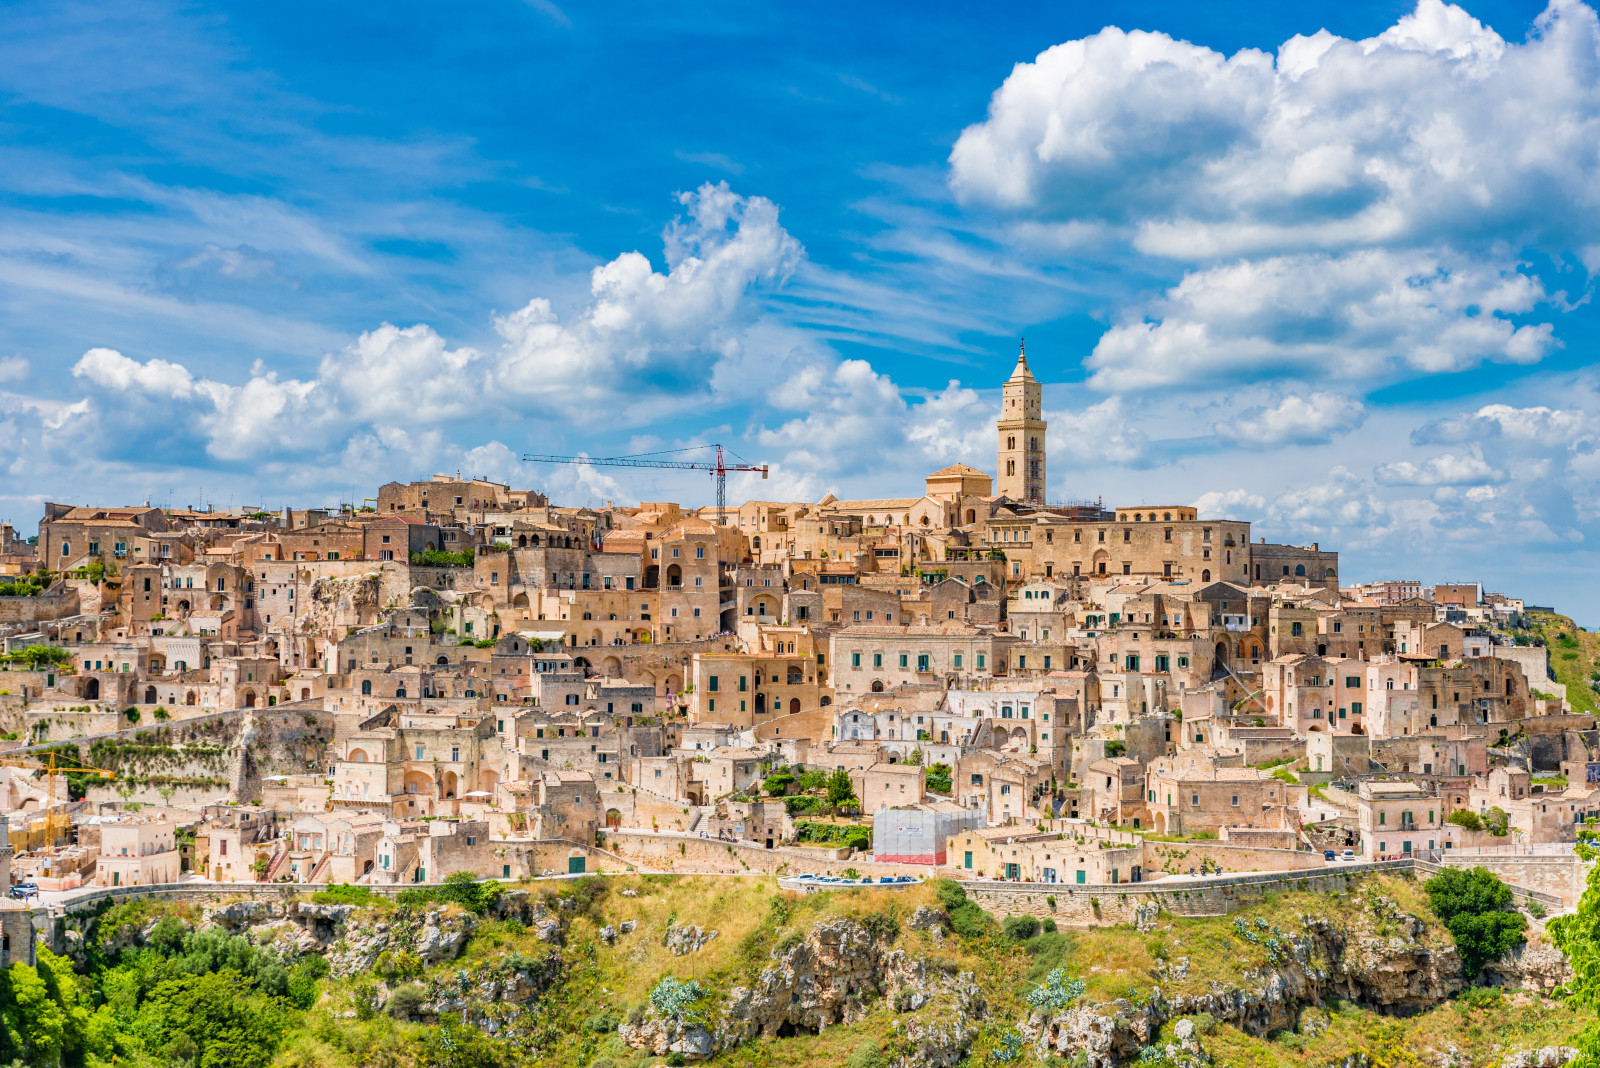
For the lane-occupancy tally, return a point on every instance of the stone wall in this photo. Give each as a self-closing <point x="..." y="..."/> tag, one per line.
<point x="220" y="754"/>
<point x="1560" y="876"/>
<point x="1178" y="857"/>
<point x="691" y="853"/>
<point x="58" y="602"/>
<point x="1090" y="906"/>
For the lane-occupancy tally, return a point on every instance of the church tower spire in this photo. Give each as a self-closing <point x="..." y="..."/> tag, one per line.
<point x="1022" y="427"/>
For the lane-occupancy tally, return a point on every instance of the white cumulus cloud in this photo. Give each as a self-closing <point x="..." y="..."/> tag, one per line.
<point x="1295" y="420"/>
<point x="1447" y="469"/>
<point x="1350" y="316"/>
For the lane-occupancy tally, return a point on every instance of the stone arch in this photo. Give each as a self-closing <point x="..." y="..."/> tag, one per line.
<point x="1205" y="576"/>
<point x="441" y="661"/>
<point x="794" y="705"/>
<point x="827" y="701"/>
<point x="305" y="693"/>
<point x="488" y="781"/>
<point x="149" y="695"/>
<point x="92" y="690"/>
<point x="674" y="684"/>
<point x="519" y="601"/>
<point x="1356" y="728"/>
<point x="358" y="755"/>
<point x="613" y="818"/>
<point x="1300" y="570"/>
<point x="421" y="780"/>
<point x="448" y="783"/>
<point x="611" y="667"/>
<point x="877" y="686"/>
<point x="674" y="576"/>
<point x="190" y="698"/>
<point x="755" y="543"/>
<point x="249" y="698"/>
<point x="522" y="541"/>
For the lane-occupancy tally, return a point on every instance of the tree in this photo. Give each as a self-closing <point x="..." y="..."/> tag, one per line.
<point x="840" y="790"/>
<point x="1465" y="817"/>
<point x="1475" y="908"/>
<point x="1578" y="936"/>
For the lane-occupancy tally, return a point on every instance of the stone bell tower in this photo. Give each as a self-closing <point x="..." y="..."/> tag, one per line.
<point x="1021" y="471"/>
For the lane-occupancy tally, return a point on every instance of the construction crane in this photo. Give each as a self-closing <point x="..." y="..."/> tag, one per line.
<point x="55" y="823"/>
<point x="719" y="469"/>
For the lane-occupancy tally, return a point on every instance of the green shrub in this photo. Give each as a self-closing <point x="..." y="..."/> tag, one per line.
<point x="405" y="1001"/>
<point x="602" y="1023"/>
<point x="866" y="1055"/>
<point x="344" y="894"/>
<point x="1048" y="926"/>
<point x="1465" y="817"/>
<point x="1019" y="928"/>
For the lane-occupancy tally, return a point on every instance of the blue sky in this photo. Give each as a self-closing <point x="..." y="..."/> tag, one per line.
<point x="1326" y="267"/>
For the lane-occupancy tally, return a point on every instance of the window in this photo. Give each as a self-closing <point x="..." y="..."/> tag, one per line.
<point x="855" y="660"/>
<point x="699" y="554"/>
<point x="419" y="752"/>
<point x="711" y="684"/>
<point x="877" y="660"/>
<point x="981" y="659"/>
<point x="958" y="660"/>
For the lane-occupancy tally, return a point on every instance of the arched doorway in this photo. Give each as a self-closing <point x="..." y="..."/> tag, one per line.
<point x="448" y="784"/>
<point x="305" y="693"/>
<point x="877" y="686"/>
<point x="1205" y="576"/>
<point x="613" y="818"/>
<point x="249" y="699"/>
<point x="794" y="705"/>
<point x="149" y="695"/>
<point x="92" y="691"/>
<point x="761" y="704"/>
<point x="189" y="698"/>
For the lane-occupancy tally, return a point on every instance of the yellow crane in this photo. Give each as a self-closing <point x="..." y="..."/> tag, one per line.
<point x="56" y="822"/>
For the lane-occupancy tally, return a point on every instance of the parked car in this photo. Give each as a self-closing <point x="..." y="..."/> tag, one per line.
<point x="25" y="890"/>
<point x="1348" y="854"/>
<point x="1330" y="854"/>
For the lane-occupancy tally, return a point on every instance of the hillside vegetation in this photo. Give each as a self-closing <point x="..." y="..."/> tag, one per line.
<point x="1574" y="657"/>
<point x="571" y="972"/>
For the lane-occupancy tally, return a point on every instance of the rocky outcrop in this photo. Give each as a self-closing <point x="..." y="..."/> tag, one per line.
<point x="1544" y="1057"/>
<point x="687" y="939"/>
<point x="833" y="975"/>
<point x="1536" y="966"/>
<point x="1385" y="959"/>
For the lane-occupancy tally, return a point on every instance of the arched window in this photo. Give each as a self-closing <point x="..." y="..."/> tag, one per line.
<point x="1300" y="569"/>
<point x="1205" y="576"/>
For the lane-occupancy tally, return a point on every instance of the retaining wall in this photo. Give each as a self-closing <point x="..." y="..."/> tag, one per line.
<point x="1091" y="906"/>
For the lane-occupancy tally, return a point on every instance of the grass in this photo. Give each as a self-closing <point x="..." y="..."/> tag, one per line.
<point x="752" y="918"/>
<point x="1574" y="657"/>
<point x="1482" y="1034"/>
